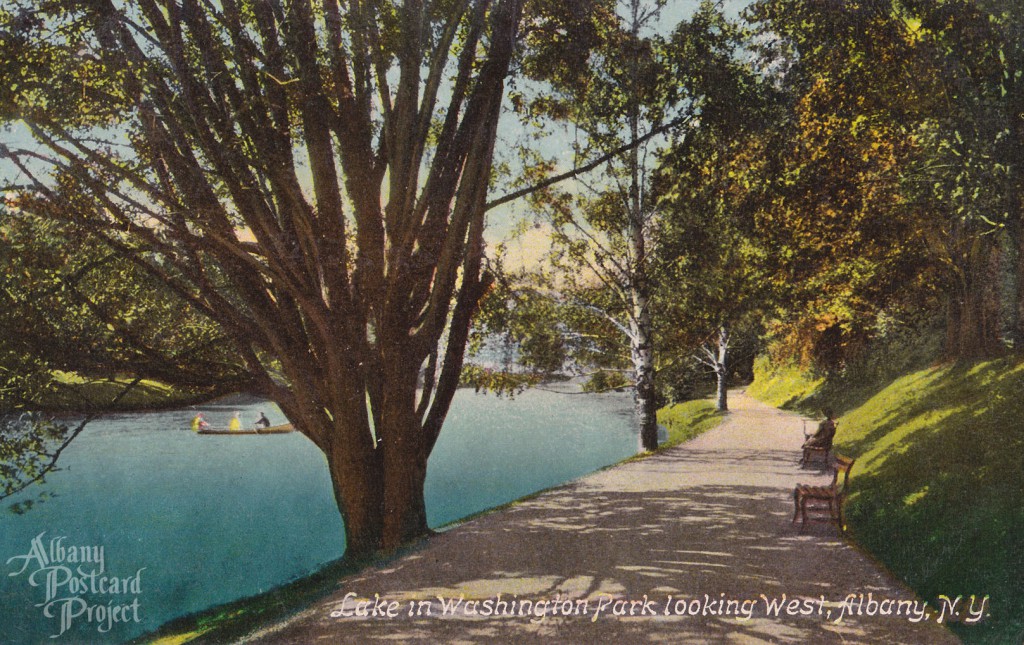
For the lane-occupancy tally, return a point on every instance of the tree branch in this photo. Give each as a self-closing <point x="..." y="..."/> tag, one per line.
<point x="504" y="199"/>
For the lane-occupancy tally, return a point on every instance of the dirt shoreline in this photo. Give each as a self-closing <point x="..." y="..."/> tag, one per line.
<point x="691" y="545"/>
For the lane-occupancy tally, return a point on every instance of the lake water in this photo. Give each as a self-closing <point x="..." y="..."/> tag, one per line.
<point x="210" y="519"/>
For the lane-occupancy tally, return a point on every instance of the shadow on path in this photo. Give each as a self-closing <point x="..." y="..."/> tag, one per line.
<point x="692" y="545"/>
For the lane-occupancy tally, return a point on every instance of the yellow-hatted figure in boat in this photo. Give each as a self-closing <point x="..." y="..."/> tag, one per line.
<point x="236" y="423"/>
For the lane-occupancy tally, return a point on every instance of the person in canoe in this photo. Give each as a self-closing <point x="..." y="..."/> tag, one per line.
<point x="262" y="423"/>
<point x="199" y="423"/>
<point x="236" y="422"/>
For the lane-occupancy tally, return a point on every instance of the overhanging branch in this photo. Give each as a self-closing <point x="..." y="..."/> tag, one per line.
<point x="504" y="199"/>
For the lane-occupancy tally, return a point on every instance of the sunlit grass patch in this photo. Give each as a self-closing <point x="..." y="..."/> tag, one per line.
<point x="913" y="498"/>
<point x="180" y="639"/>
<point x="782" y="386"/>
<point x="937" y="494"/>
<point x="233" y="621"/>
<point x="74" y="392"/>
<point x="686" y="420"/>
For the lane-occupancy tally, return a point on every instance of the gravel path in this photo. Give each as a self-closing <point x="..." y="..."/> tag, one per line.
<point x="692" y="545"/>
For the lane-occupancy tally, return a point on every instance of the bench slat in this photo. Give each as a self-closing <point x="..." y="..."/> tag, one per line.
<point x="833" y="496"/>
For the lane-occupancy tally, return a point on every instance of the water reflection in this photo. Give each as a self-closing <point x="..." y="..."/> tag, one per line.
<point x="215" y="518"/>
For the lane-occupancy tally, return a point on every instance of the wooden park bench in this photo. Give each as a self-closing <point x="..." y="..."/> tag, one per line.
<point x="814" y="453"/>
<point x="824" y="503"/>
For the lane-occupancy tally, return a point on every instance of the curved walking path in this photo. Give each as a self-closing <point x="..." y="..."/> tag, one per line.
<point x="690" y="545"/>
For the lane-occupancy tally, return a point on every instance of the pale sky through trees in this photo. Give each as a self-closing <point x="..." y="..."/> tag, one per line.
<point x="559" y="143"/>
<point x="501" y="221"/>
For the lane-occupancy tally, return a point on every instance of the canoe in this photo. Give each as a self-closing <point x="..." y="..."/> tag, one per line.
<point x="281" y="429"/>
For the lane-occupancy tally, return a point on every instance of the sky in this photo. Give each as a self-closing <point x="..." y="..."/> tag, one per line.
<point x="500" y="221"/>
<point x="525" y="249"/>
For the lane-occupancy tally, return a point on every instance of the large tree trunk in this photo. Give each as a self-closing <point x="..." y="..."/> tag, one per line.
<point x="358" y="491"/>
<point x="1018" y="314"/>
<point x="1017" y="277"/>
<point x="641" y="327"/>
<point x="722" y="397"/>
<point x="972" y="314"/>
<point x="379" y="485"/>
<point x="716" y="356"/>
<point x="1015" y="225"/>
<point x="265" y="137"/>
<point x="405" y="459"/>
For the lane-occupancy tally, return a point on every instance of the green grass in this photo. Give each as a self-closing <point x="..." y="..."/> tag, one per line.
<point x="937" y="491"/>
<point x="231" y="622"/>
<point x="782" y="386"/>
<point x="72" y="392"/>
<point x="804" y="391"/>
<point x="686" y="420"/>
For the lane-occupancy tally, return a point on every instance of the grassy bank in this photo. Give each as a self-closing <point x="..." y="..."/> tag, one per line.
<point x="74" y="393"/>
<point x="684" y="421"/>
<point x="230" y="622"/>
<point x="938" y="487"/>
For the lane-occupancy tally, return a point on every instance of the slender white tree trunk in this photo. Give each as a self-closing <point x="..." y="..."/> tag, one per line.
<point x="641" y="348"/>
<point x="643" y="370"/>
<point x="722" y="369"/>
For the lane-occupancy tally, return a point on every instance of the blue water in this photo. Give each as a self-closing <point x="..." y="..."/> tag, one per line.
<point x="210" y="519"/>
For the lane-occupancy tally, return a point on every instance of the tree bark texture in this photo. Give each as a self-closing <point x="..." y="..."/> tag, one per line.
<point x="1017" y="312"/>
<point x="722" y="370"/>
<point x="645" y="395"/>
<point x="317" y="189"/>
<point x="637" y="283"/>
<point x="972" y="308"/>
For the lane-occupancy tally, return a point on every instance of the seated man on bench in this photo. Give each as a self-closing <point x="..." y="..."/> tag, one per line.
<point x="820" y="441"/>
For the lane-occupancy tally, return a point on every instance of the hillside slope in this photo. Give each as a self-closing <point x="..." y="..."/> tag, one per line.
<point x="938" y="488"/>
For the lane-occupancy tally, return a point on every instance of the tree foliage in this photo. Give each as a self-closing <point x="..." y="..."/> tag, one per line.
<point x="896" y="184"/>
<point x="642" y="91"/>
<point x="306" y="183"/>
<point x="288" y="198"/>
